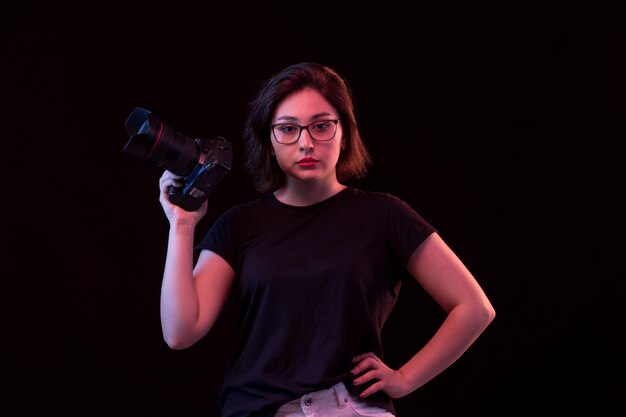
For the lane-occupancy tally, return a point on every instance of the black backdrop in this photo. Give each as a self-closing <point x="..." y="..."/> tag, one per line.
<point x="503" y="125"/>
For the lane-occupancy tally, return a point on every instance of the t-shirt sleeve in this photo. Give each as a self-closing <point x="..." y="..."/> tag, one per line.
<point x="221" y="237"/>
<point x="406" y="228"/>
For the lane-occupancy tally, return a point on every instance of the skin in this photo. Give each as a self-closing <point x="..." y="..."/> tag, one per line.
<point x="306" y="184"/>
<point x="192" y="298"/>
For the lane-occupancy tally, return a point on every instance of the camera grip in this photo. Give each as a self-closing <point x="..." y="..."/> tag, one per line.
<point x="197" y="189"/>
<point x="187" y="202"/>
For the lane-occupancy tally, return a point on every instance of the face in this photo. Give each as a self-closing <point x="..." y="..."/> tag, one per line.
<point x="307" y="160"/>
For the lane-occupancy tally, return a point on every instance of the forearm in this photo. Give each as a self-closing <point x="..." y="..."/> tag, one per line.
<point x="179" y="298"/>
<point x="461" y="328"/>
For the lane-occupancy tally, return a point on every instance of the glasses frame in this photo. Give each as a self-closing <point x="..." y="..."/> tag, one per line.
<point x="306" y="127"/>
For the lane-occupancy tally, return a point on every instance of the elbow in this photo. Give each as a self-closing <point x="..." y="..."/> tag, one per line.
<point x="180" y="336"/>
<point x="174" y="345"/>
<point x="176" y="342"/>
<point x="478" y="315"/>
<point x="487" y="313"/>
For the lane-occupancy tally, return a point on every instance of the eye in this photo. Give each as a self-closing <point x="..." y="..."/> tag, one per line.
<point x="288" y="129"/>
<point x="321" y="126"/>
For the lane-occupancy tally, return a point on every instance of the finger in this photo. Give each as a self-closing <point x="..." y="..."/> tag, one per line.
<point x="375" y="387"/>
<point x="169" y="175"/>
<point x="362" y="356"/>
<point x="367" y="363"/>
<point x="367" y="377"/>
<point x="166" y="183"/>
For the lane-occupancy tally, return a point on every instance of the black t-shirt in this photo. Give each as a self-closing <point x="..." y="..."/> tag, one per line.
<point x="315" y="286"/>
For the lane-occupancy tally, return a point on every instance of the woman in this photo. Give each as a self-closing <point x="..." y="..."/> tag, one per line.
<point x="315" y="265"/>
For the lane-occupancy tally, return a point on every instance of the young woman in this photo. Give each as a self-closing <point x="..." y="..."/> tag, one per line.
<point x="315" y="266"/>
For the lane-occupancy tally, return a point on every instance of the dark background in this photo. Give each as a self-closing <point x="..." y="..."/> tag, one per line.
<point x="502" y="124"/>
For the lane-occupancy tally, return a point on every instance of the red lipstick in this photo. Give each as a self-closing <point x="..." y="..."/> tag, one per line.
<point x="307" y="162"/>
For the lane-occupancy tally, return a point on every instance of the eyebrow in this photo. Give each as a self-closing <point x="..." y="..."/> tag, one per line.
<point x="295" y="119"/>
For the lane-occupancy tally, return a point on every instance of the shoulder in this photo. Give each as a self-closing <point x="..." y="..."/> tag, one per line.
<point x="390" y="206"/>
<point x="361" y="193"/>
<point x="384" y="199"/>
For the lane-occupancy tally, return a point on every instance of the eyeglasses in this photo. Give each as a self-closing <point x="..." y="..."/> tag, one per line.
<point x="320" y="131"/>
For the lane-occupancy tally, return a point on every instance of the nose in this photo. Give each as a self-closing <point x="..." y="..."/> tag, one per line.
<point x="306" y="141"/>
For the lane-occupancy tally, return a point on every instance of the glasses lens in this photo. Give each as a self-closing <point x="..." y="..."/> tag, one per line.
<point x="323" y="130"/>
<point x="286" y="133"/>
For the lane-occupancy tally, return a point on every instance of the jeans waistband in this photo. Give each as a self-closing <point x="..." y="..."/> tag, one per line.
<point x="337" y="392"/>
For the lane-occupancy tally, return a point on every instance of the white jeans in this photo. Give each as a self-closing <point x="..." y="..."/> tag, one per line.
<point x="333" y="402"/>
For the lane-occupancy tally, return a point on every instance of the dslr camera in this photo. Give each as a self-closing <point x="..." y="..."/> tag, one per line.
<point x="201" y="162"/>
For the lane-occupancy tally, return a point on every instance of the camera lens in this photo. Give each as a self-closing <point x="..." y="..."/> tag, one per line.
<point x="154" y="141"/>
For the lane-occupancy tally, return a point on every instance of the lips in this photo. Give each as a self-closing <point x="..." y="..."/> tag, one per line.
<point x="307" y="162"/>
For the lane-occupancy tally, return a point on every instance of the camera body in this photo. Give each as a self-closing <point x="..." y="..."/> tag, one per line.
<point x="213" y="165"/>
<point x="201" y="162"/>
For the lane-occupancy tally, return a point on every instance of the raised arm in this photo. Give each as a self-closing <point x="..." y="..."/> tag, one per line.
<point x="191" y="298"/>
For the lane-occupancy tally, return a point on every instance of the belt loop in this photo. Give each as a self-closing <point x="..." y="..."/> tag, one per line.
<point x="341" y="393"/>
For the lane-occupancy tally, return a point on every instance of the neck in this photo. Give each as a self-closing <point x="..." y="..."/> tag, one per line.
<point x="299" y="193"/>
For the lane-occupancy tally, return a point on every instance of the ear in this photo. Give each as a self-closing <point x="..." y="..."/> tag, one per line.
<point x="343" y="144"/>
